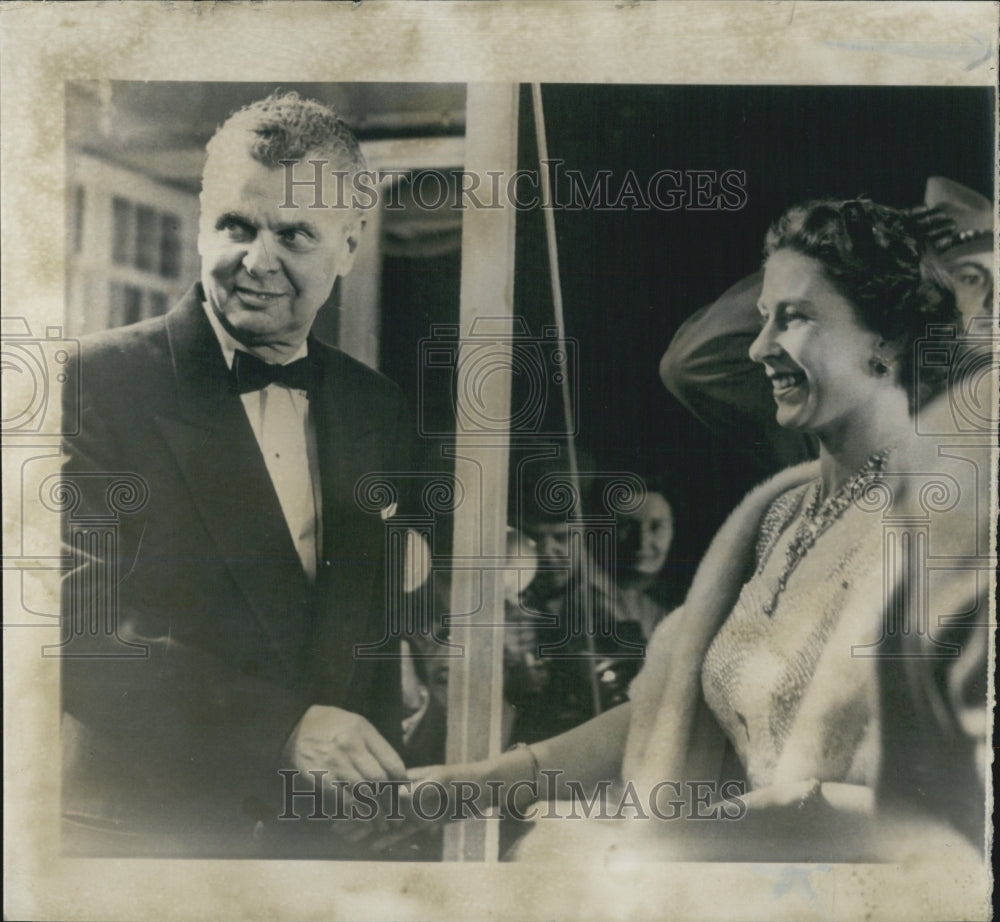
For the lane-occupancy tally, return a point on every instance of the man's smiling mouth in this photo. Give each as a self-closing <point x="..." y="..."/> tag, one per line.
<point x="256" y="296"/>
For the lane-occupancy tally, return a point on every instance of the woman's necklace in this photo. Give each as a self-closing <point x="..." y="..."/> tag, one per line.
<point x="817" y="516"/>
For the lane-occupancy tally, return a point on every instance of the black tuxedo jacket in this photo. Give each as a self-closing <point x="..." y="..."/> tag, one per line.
<point x="186" y="739"/>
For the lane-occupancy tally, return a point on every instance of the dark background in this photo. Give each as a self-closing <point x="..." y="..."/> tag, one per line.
<point x="630" y="278"/>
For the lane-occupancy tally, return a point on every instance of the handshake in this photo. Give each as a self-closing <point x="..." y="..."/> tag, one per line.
<point x="343" y="769"/>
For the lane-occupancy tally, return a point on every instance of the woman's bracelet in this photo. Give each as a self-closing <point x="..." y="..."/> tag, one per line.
<point x="535" y="768"/>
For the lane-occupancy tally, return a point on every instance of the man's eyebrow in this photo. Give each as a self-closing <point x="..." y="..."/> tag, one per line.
<point x="235" y="217"/>
<point x="232" y="217"/>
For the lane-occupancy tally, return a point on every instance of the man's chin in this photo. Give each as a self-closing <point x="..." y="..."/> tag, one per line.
<point x="251" y="327"/>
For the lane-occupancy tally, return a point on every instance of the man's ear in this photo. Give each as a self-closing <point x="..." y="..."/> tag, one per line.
<point x="354" y="235"/>
<point x="352" y="240"/>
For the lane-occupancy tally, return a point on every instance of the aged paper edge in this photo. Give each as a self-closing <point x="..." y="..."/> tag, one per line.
<point x="44" y="45"/>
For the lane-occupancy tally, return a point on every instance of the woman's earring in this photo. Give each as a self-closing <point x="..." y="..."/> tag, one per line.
<point x="879" y="366"/>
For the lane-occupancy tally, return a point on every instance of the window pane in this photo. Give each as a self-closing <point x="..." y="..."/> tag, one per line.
<point x="170" y="246"/>
<point x="124" y="236"/>
<point x="126" y="304"/>
<point x="147" y="239"/>
<point x="116" y="304"/>
<point x="133" y="304"/>
<point x="158" y="304"/>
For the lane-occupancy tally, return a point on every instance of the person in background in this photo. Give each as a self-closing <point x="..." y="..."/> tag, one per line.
<point x="555" y="648"/>
<point x="427" y="658"/>
<point x="646" y="590"/>
<point x="959" y="223"/>
<point x="544" y="693"/>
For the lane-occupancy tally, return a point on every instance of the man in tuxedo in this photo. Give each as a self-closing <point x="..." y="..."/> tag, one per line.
<point x="228" y="671"/>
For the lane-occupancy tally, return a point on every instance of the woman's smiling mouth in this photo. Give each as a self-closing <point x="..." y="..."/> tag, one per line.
<point x="785" y="382"/>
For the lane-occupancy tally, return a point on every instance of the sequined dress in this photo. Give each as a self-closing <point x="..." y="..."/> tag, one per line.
<point x="761" y="666"/>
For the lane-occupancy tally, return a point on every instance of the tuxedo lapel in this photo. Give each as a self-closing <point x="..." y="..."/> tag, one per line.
<point x="212" y="442"/>
<point x="350" y="586"/>
<point x="348" y="435"/>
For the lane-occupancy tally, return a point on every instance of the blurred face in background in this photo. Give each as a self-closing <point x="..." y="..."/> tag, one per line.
<point x="551" y="541"/>
<point x="973" y="283"/>
<point x="644" y="536"/>
<point x="522" y="564"/>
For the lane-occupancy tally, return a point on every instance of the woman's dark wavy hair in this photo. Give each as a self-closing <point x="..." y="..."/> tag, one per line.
<point x="879" y="260"/>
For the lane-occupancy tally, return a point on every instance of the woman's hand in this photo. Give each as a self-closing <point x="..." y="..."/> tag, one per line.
<point x="437" y="794"/>
<point x="477" y="790"/>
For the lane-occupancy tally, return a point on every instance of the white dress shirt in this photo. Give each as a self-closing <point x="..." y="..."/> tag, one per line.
<point x="286" y="433"/>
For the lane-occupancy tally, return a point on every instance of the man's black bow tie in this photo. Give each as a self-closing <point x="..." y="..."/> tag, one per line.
<point x="250" y="373"/>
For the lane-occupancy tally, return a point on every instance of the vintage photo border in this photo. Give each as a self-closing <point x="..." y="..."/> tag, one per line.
<point x="588" y="41"/>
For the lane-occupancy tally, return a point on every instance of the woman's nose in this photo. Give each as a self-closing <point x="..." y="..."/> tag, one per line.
<point x="654" y="539"/>
<point x="764" y="345"/>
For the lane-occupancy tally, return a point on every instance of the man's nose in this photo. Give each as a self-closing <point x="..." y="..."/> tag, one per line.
<point x="259" y="258"/>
